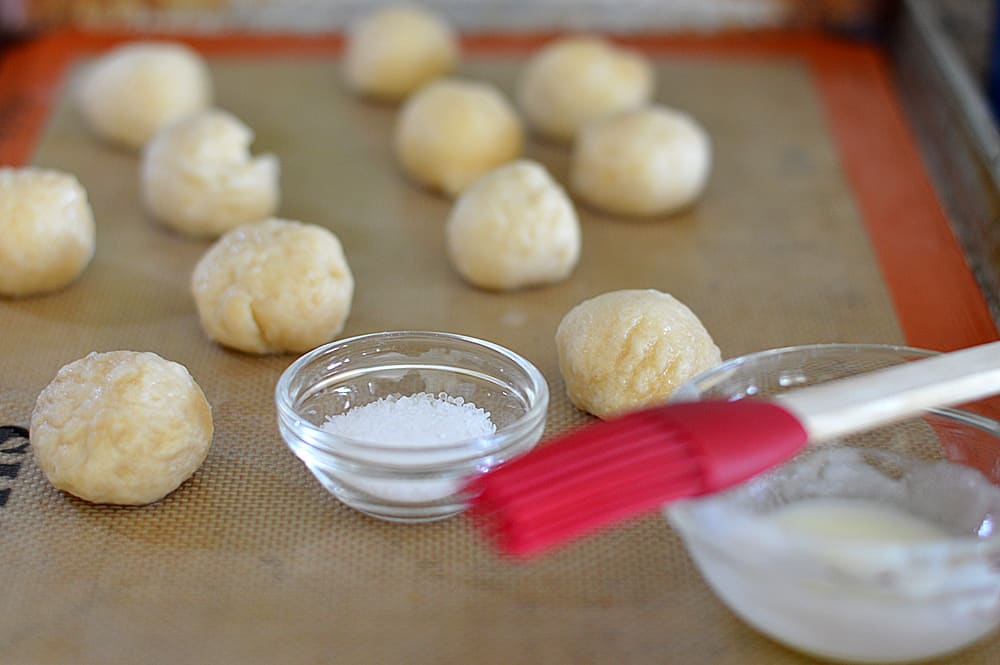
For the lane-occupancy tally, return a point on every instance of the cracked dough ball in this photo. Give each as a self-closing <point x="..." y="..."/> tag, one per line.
<point x="199" y="178"/>
<point x="623" y="350"/>
<point x="273" y="286"/>
<point x="514" y="227"/>
<point x="121" y="427"/>
<point x="394" y="51"/>
<point x="47" y="232"/>
<point x="578" y="79"/>
<point x="640" y="163"/>
<point x="453" y="131"/>
<point x="133" y="91"/>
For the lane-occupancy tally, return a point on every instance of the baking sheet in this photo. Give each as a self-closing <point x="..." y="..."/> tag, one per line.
<point x="251" y="560"/>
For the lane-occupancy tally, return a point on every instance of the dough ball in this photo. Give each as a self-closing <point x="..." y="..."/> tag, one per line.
<point x="641" y="163"/>
<point x="578" y="79"/>
<point x="623" y="350"/>
<point x="453" y="131"/>
<point x="133" y="91"/>
<point x="393" y="51"/>
<point x="47" y="230"/>
<point x="199" y="178"/>
<point x="122" y="427"/>
<point x="514" y="227"/>
<point x="273" y="286"/>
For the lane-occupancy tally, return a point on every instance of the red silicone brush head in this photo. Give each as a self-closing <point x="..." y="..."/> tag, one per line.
<point x="618" y="469"/>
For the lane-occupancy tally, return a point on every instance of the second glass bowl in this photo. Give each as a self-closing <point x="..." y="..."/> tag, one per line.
<point x="868" y="600"/>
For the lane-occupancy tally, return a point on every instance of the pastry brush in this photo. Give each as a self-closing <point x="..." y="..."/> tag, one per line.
<point x="620" y="468"/>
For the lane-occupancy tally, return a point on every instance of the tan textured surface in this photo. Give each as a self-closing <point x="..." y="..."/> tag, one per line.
<point x="251" y="561"/>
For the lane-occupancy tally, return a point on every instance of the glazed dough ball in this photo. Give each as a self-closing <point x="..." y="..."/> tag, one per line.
<point x="512" y="228"/>
<point x="133" y="91"/>
<point x="199" y="178"/>
<point x="640" y="163"/>
<point x="121" y="427"/>
<point x="453" y="131"/>
<point x="273" y="286"/>
<point x="46" y="230"/>
<point x="394" y="51"/>
<point x="623" y="350"/>
<point x="578" y="79"/>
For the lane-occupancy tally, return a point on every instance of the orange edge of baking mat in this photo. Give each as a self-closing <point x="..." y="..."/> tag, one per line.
<point x="940" y="308"/>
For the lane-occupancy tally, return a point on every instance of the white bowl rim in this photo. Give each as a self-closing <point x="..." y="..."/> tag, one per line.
<point x="737" y="361"/>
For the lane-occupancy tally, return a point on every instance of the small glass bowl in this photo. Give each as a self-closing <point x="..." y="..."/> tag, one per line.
<point x="887" y="601"/>
<point x="408" y="483"/>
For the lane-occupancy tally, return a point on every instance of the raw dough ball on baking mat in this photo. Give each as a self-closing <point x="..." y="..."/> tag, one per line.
<point x="453" y="131"/>
<point x="652" y="161"/>
<point x="623" y="350"/>
<point x="133" y="91"/>
<point x="121" y="427"/>
<point x="514" y="227"/>
<point x="47" y="232"/>
<point x="578" y="79"/>
<point x="394" y="51"/>
<point x="273" y="286"/>
<point x="198" y="176"/>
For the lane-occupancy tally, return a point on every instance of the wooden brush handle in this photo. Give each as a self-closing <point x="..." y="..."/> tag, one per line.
<point x="865" y="401"/>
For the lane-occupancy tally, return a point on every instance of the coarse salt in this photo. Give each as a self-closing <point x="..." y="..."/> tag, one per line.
<point x="417" y="421"/>
<point x="421" y="419"/>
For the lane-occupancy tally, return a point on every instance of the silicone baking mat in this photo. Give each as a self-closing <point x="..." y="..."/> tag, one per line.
<point x="819" y="224"/>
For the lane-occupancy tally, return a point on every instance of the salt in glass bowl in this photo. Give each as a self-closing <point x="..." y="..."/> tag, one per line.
<point x="408" y="483"/>
<point x="844" y="600"/>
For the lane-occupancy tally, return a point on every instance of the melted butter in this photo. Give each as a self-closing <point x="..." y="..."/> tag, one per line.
<point x="854" y="520"/>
